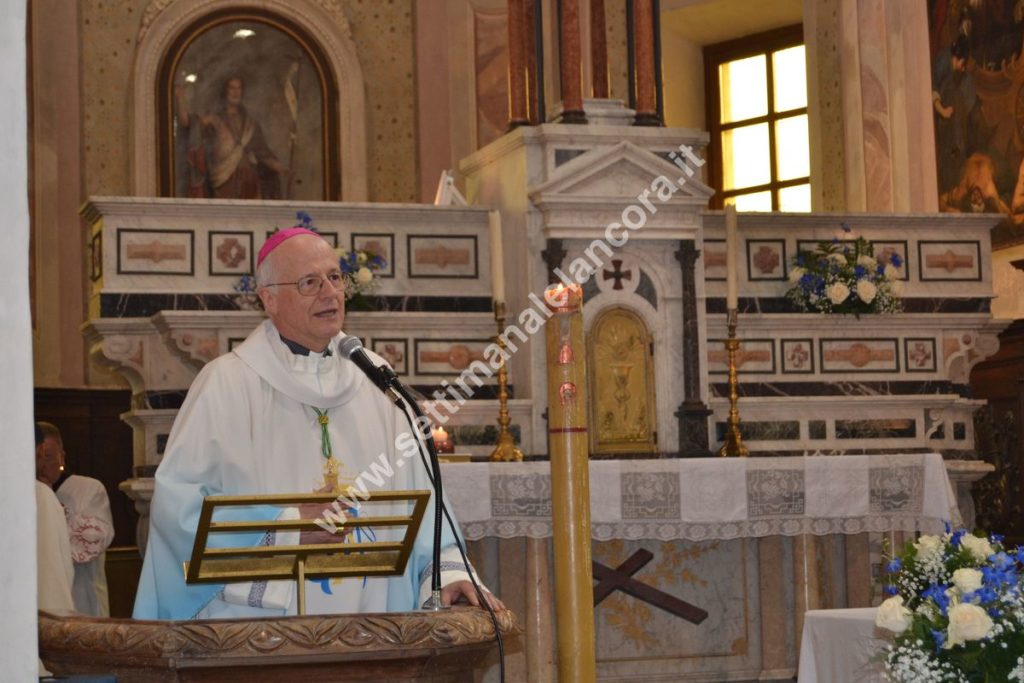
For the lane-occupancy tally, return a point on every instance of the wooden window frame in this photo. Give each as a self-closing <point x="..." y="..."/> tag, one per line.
<point x="714" y="56"/>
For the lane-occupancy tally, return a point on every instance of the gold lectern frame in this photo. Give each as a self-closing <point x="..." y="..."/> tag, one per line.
<point x="308" y="561"/>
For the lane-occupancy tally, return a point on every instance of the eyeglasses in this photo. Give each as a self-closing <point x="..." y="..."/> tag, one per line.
<point x="310" y="285"/>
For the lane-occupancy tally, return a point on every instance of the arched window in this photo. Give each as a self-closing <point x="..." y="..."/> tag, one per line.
<point x="247" y="109"/>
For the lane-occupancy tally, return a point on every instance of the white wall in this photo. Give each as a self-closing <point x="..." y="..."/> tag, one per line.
<point x="17" y="494"/>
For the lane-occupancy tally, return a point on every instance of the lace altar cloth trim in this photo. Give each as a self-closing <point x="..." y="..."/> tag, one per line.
<point x="713" y="498"/>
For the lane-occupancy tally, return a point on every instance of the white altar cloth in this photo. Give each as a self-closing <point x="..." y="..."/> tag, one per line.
<point x="840" y="646"/>
<point x="713" y="498"/>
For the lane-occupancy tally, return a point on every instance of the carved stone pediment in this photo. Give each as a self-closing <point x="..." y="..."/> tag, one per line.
<point x="617" y="174"/>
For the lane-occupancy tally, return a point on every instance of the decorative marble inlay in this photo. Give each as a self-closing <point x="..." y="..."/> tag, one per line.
<point x="950" y="260"/>
<point x="754" y="355"/>
<point x="441" y="357"/>
<point x="520" y="495"/>
<point x="775" y="492"/>
<point x="863" y="355"/>
<point x="650" y="495"/>
<point x="617" y="274"/>
<point x="797" y="356"/>
<point x="766" y="259"/>
<point x="896" y="489"/>
<point x="920" y="355"/>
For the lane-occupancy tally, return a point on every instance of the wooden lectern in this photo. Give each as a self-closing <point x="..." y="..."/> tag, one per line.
<point x="399" y="647"/>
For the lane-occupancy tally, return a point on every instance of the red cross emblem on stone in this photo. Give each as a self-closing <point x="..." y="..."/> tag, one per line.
<point x="618" y="274"/>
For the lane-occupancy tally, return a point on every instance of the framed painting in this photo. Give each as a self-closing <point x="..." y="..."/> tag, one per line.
<point x="246" y="110"/>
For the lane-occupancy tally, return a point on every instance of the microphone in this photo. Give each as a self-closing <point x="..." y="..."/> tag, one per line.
<point x="381" y="376"/>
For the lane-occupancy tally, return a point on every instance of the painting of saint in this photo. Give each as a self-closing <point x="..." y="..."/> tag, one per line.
<point x="978" y="109"/>
<point x="247" y="116"/>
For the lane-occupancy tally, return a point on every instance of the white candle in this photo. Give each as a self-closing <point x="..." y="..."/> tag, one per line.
<point x="731" y="247"/>
<point x="497" y="266"/>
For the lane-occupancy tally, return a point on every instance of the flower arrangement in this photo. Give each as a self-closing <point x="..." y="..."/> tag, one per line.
<point x="359" y="266"/>
<point x="845" y="277"/>
<point x="957" y="611"/>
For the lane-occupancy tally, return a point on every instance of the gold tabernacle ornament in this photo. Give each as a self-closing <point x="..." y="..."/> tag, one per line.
<point x="569" y="441"/>
<point x="305" y="561"/>
<point x="733" y="442"/>
<point x="505" y="449"/>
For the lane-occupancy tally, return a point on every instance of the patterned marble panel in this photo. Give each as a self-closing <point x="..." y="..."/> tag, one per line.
<point x="797" y="356"/>
<point x="919" y="354"/>
<point x="714" y="260"/>
<point x="711" y="575"/>
<point x="949" y="260"/>
<point x="766" y="260"/>
<point x="447" y="357"/>
<point x="755" y="356"/>
<point x="859" y="355"/>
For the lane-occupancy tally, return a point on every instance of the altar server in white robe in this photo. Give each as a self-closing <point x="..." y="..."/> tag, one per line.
<point x="90" y="524"/>
<point x="262" y="419"/>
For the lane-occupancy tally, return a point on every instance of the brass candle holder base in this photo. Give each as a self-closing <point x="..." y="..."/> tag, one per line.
<point x="505" y="449"/>
<point x="733" y="445"/>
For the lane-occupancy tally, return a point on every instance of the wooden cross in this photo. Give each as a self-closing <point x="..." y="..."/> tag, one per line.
<point x="610" y="580"/>
<point x="618" y="274"/>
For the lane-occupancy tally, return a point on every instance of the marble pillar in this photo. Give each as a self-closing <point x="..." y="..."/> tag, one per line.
<point x="643" y="60"/>
<point x="888" y="135"/>
<point x="517" y="93"/>
<point x="572" y="87"/>
<point x="692" y="413"/>
<point x="598" y="49"/>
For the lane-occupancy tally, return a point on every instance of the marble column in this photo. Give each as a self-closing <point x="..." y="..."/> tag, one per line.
<point x="572" y="87"/>
<point x="881" y="76"/>
<point x="599" y="49"/>
<point x="534" y="61"/>
<point x="517" y="67"/>
<point x="643" y="60"/>
<point x="692" y="413"/>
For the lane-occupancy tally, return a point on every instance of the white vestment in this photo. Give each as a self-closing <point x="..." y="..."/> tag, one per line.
<point x="248" y="427"/>
<point x="92" y="531"/>
<point x="54" y="570"/>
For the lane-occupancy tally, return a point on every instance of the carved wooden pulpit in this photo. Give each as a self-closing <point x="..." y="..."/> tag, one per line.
<point x="401" y="647"/>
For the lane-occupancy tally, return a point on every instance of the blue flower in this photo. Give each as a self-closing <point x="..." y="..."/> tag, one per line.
<point x="997" y="538"/>
<point x="937" y="594"/>
<point x="939" y="638"/>
<point x="955" y="540"/>
<point x="305" y="220"/>
<point x="894" y="566"/>
<point x="895" y="260"/>
<point x="949" y="527"/>
<point x="891" y="590"/>
<point x="845" y="227"/>
<point x="859" y="272"/>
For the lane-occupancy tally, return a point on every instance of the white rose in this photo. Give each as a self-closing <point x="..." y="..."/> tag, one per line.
<point x="893" y="616"/>
<point x="967" y="580"/>
<point x="928" y="546"/>
<point x="796" y="273"/>
<point x="979" y="548"/>
<point x="866" y="261"/>
<point x="866" y="290"/>
<point x="967" y="622"/>
<point x="892" y="272"/>
<point x="838" y="293"/>
<point x="364" y="275"/>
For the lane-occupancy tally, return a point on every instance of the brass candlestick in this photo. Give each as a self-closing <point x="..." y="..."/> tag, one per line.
<point x="733" y="445"/>
<point x="505" y="450"/>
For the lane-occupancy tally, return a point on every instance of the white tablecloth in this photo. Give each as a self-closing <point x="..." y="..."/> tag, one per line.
<point x="840" y="646"/>
<point x="713" y="498"/>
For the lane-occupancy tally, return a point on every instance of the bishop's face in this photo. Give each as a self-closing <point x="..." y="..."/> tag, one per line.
<point x="49" y="460"/>
<point x="309" y="320"/>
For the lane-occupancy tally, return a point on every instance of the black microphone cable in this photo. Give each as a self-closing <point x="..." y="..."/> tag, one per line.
<point x="429" y="440"/>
